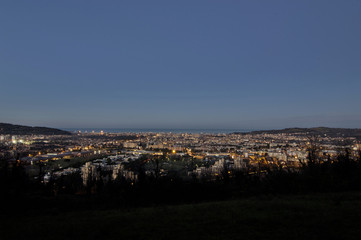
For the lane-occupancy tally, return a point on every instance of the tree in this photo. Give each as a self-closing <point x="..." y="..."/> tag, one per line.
<point x="313" y="150"/>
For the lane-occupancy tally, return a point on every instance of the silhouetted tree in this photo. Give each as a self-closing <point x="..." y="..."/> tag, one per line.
<point x="313" y="150"/>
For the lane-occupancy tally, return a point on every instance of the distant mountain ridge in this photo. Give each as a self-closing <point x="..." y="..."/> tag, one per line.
<point x="332" y="132"/>
<point x="11" y="129"/>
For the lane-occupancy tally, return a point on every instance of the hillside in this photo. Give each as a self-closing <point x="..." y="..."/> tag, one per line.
<point x="6" y="128"/>
<point x="332" y="132"/>
<point x="317" y="216"/>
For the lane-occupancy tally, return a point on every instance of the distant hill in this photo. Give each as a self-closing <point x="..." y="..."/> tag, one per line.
<point x="332" y="132"/>
<point x="6" y="128"/>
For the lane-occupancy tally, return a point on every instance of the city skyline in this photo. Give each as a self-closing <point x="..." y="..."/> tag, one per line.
<point x="185" y="65"/>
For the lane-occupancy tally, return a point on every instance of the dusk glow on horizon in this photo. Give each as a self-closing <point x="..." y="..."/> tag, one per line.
<point x="181" y="64"/>
<point x="190" y="119"/>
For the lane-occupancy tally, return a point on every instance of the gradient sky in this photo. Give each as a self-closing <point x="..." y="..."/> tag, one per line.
<point x="181" y="64"/>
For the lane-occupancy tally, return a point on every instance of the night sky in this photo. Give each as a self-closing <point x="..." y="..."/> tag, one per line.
<point x="181" y="64"/>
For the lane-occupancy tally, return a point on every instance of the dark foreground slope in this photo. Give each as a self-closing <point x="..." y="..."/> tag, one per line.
<point x="6" y="128"/>
<point x="319" y="216"/>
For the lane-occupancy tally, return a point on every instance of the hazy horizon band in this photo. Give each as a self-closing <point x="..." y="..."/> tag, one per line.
<point x="156" y="130"/>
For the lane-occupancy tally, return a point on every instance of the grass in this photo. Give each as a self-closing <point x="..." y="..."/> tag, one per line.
<point x="330" y="216"/>
<point x="73" y="162"/>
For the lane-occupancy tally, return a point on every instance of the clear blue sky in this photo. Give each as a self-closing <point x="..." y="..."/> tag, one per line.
<point x="181" y="64"/>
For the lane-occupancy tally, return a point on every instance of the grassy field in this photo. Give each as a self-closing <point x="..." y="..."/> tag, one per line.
<point x="329" y="216"/>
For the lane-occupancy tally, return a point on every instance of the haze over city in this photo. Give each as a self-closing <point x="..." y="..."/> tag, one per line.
<point x="184" y="64"/>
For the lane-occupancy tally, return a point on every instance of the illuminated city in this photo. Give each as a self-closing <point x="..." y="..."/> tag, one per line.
<point x="188" y="154"/>
<point x="180" y="120"/>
